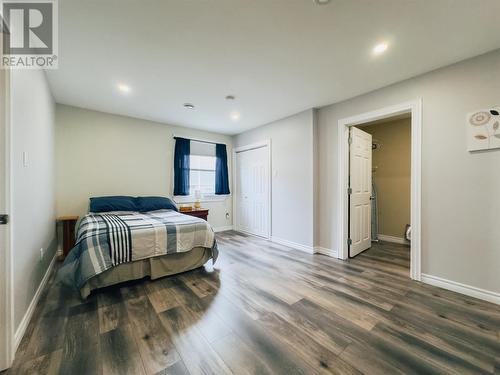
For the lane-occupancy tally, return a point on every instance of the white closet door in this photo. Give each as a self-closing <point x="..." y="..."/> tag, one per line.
<point x="360" y="157"/>
<point x="252" y="195"/>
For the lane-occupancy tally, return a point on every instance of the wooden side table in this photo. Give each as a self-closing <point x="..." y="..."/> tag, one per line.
<point x="68" y="223"/>
<point x="202" y="213"/>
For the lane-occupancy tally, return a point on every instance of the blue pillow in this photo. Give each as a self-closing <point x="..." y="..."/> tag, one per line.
<point x="115" y="203"/>
<point x="145" y="204"/>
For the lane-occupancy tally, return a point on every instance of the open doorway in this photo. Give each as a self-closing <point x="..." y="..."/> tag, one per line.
<point x="380" y="188"/>
<point x="362" y="186"/>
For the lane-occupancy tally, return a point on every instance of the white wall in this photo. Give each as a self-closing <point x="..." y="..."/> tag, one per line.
<point x="104" y="154"/>
<point x="33" y="190"/>
<point x="460" y="190"/>
<point x="293" y="185"/>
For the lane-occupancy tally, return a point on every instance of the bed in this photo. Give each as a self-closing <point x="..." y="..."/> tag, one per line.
<point x="114" y="245"/>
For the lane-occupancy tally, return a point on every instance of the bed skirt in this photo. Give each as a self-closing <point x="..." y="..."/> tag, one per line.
<point x="153" y="268"/>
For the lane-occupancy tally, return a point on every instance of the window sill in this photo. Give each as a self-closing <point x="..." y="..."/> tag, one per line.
<point x="191" y="199"/>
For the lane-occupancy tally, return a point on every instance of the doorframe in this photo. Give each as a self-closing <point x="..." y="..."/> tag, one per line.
<point x="253" y="146"/>
<point x="7" y="305"/>
<point x="413" y="107"/>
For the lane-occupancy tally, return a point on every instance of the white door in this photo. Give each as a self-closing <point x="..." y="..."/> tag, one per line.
<point x="360" y="182"/>
<point x="5" y="331"/>
<point x="252" y="191"/>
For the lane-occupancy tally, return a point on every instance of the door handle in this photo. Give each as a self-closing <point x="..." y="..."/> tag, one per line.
<point x="372" y="198"/>
<point x="4" y="219"/>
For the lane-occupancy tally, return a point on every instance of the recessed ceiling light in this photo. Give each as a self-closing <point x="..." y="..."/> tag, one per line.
<point x="380" y="48"/>
<point x="230" y="97"/>
<point x="188" y="105"/>
<point x="124" y="88"/>
<point x="321" y="2"/>
<point x="235" y="115"/>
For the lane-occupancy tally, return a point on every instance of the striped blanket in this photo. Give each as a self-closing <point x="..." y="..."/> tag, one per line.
<point x="109" y="239"/>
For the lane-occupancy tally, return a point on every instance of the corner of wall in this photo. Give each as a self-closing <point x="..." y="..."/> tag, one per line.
<point x="316" y="177"/>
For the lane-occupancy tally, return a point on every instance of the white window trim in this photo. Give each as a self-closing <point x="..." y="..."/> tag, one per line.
<point x="181" y="199"/>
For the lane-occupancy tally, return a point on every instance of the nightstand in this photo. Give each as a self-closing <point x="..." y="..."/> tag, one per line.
<point x="68" y="223"/>
<point x="202" y="213"/>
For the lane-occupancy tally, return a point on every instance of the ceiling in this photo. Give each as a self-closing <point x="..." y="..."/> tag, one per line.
<point x="277" y="57"/>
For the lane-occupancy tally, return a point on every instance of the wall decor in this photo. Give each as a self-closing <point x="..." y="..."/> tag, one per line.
<point x="483" y="129"/>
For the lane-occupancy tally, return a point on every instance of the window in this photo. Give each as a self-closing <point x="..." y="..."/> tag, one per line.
<point x="202" y="174"/>
<point x="202" y="163"/>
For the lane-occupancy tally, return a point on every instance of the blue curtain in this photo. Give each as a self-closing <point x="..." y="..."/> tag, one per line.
<point x="181" y="166"/>
<point x="221" y="174"/>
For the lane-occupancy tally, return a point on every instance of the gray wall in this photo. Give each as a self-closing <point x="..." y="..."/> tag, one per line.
<point x="103" y="154"/>
<point x="460" y="190"/>
<point x="33" y="190"/>
<point x="293" y="182"/>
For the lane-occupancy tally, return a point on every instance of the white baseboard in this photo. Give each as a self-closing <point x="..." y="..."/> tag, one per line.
<point x="468" y="290"/>
<point x="236" y="229"/>
<point x="400" y="240"/>
<point x="223" y="229"/>
<point x="18" y="335"/>
<point x="293" y="245"/>
<point x="330" y="252"/>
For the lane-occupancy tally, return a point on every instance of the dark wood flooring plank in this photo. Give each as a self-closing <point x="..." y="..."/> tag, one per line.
<point x="119" y="352"/>
<point x="386" y="356"/>
<point x="196" y="353"/>
<point x="210" y="325"/>
<point x="112" y="316"/>
<point x="270" y="351"/>
<point x="197" y="284"/>
<point x="487" y="323"/>
<point x="163" y="299"/>
<point x="47" y="364"/>
<point x="81" y="342"/>
<point x="155" y="345"/>
<point x="178" y="368"/>
<point x="471" y="343"/>
<point x="370" y="363"/>
<point x="444" y="361"/>
<point x="240" y="358"/>
<point x="312" y="352"/>
<point x="48" y="336"/>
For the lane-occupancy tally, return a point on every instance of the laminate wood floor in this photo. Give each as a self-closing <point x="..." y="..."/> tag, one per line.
<point x="266" y="309"/>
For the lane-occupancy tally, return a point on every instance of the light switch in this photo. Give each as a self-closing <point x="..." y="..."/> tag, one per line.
<point x="25" y="159"/>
